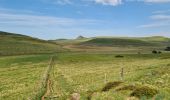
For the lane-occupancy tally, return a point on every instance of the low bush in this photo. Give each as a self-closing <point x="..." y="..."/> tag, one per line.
<point x="111" y="85"/>
<point x="119" y="56"/>
<point x="144" y="91"/>
<point x="167" y="49"/>
<point x="154" y="52"/>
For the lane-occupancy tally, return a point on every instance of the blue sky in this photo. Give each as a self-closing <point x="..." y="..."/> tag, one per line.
<point x="53" y="19"/>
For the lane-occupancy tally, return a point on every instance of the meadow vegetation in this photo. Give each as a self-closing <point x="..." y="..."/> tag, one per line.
<point x="93" y="76"/>
<point x="98" y="68"/>
<point x="21" y="77"/>
<point x="16" y="44"/>
<point x="145" y="76"/>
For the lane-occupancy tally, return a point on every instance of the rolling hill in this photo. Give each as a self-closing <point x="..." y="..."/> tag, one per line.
<point x="16" y="44"/>
<point x="116" y="42"/>
<point x="125" y="44"/>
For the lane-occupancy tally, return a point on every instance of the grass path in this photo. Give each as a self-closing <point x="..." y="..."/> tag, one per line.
<point x="58" y="85"/>
<point x="48" y="90"/>
<point x="62" y="87"/>
<point x="48" y="84"/>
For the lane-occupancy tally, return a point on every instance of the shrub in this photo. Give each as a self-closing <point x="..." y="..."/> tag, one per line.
<point x="144" y="91"/>
<point x="159" y="52"/>
<point x="167" y="49"/>
<point x="119" y="56"/>
<point x="154" y="52"/>
<point x="110" y="85"/>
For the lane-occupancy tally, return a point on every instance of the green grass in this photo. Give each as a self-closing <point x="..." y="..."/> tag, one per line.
<point x="155" y="39"/>
<point x="15" y="44"/>
<point x="85" y="74"/>
<point x="89" y="70"/>
<point x="70" y="41"/>
<point x="21" y="76"/>
<point x="117" y="42"/>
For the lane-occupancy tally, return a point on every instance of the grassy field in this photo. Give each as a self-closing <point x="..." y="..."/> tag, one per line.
<point x="21" y="77"/>
<point x="92" y="68"/>
<point x="87" y="74"/>
<point x="16" y="44"/>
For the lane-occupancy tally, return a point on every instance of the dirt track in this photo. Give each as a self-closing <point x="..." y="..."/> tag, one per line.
<point x="48" y="82"/>
<point x="48" y="90"/>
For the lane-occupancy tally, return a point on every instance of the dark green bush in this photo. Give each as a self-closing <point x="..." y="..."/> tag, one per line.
<point x="167" y="49"/>
<point x="110" y="85"/>
<point x="144" y="91"/>
<point x="154" y="52"/>
<point x="119" y="56"/>
<point x="159" y="52"/>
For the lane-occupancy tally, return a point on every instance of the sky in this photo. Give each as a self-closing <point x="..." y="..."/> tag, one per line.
<point x="54" y="19"/>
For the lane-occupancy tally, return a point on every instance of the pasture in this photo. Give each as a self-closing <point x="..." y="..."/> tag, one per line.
<point x="21" y="77"/>
<point x="92" y="76"/>
<point x="87" y="74"/>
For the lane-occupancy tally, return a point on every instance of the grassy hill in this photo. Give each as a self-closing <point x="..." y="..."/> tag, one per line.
<point x="15" y="44"/>
<point x="70" y="41"/>
<point x="155" y="39"/>
<point x="129" y="41"/>
<point x="116" y="44"/>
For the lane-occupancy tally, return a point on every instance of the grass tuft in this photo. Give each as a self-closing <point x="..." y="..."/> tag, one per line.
<point x="127" y="87"/>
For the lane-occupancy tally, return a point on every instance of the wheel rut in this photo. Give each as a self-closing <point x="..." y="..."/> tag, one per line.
<point x="48" y="82"/>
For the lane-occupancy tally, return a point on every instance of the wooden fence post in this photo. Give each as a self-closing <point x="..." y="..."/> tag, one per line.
<point x="122" y="73"/>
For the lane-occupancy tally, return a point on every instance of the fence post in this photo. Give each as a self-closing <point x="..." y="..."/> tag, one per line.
<point x="122" y="73"/>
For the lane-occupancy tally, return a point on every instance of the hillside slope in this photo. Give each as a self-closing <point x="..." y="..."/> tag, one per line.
<point x="14" y="44"/>
<point x="155" y="39"/>
<point x="117" y="44"/>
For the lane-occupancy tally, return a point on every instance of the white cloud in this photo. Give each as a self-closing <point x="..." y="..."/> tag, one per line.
<point x="58" y="2"/>
<point x="46" y="26"/>
<point x="157" y="1"/>
<point x="155" y="25"/>
<point x="118" y="2"/>
<point x="158" y="21"/>
<point x="109" y="2"/>
<point x="62" y="2"/>
<point x="160" y="17"/>
<point x="104" y="2"/>
<point x="42" y="21"/>
<point x="161" y="12"/>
